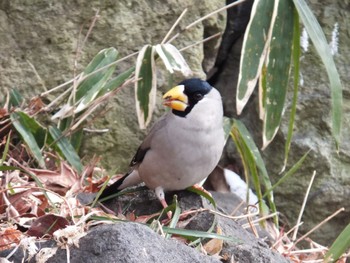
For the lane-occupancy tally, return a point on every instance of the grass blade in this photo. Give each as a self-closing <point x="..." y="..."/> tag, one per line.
<point x="288" y="174"/>
<point x="339" y="247"/>
<point x="194" y="234"/>
<point x="318" y="38"/>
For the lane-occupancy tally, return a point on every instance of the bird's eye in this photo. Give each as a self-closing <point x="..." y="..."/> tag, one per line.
<point x="197" y="96"/>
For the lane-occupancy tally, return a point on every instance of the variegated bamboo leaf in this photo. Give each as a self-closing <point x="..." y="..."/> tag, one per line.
<point x="255" y="44"/>
<point x="145" y="85"/>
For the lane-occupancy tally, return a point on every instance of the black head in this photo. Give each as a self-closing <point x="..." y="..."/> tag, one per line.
<point x="195" y="89"/>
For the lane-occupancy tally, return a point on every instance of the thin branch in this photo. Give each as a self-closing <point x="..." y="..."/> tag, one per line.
<point x="319" y="225"/>
<point x="174" y="25"/>
<point x="37" y="75"/>
<point x="303" y="206"/>
<point x="201" y="41"/>
<point x="205" y="17"/>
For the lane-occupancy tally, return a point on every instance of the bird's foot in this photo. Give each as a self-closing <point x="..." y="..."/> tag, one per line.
<point x="160" y="195"/>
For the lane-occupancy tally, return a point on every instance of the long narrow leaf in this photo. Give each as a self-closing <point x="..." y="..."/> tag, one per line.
<point x="198" y="234"/>
<point x="103" y="58"/>
<point x="92" y="86"/>
<point x="66" y="148"/>
<point x="29" y="129"/>
<point x="117" y="81"/>
<point x="340" y="246"/>
<point x="253" y="50"/>
<point x="145" y="85"/>
<point x="318" y="38"/>
<point x="278" y="63"/>
<point x="288" y="174"/>
<point x="251" y="156"/>
<point x="296" y="63"/>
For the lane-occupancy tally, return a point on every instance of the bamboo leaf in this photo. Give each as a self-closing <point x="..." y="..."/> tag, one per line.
<point x="91" y="87"/>
<point x="253" y="164"/>
<point x="172" y="59"/>
<point x="117" y="81"/>
<point x="145" y="85"/>
<point x="29" y="130"/>
<point x="66" y="148"/>
<point x="318" y="38"/>
<point x="278" y="63"/>
<point x="296" y="63"/>
<point x="254" y="49"/>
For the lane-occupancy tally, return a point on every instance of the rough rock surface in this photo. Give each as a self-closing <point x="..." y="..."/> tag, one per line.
<point x="134" y="242"/>
<point x="46" y="35"/>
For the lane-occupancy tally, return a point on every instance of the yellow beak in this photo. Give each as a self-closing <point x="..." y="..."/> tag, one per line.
<point x="176" y="99"/>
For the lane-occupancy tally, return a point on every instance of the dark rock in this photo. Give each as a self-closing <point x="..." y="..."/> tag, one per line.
<point x="129" y="242"/>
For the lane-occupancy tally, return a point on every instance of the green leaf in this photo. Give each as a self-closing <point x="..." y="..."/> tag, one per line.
<point x="172" y="59"/>
<point x="296" y="63"/>
<point x="253" y="50"/>
<point x="31" y="132"/>
<point x="288" y="174"/>
<point x="278" y="63"/>
<point x="340" y="246"/>
<point x="15" y="98"/>
<point x="253" y="164"/>
<point x="194" y="234"/>
<point x="66" y="148"/>
<point x="117" y="81"/>
<point x="318" y="38"/>
<point x="145" y="86"/>
<point x="92" y="85"/>
<point x="228" y="123"/>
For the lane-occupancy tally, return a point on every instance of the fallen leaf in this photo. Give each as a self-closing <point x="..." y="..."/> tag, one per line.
<point x="214" y="246"/>
<point x="46" y="225"/>
<point x="9" y="237"/>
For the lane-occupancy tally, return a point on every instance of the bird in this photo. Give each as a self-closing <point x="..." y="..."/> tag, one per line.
<point x="183" y="147"/>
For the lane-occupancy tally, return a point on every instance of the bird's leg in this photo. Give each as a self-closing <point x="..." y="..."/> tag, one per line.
<point x="200" y="188"/>
<point x="160" y="195"/>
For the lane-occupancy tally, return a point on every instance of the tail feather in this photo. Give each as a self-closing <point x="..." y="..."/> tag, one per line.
<point x="129" y="179"/>
<point x="113" y="188"/>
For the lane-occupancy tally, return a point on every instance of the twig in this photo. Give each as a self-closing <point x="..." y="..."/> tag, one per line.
<point x="303" y="206"/>
<point x="37" y="75"/>
<point x="205" y="17"/>
<point x="201" y="41"/>
<point x="320" y="224"/>
<point x="174" y="25"/>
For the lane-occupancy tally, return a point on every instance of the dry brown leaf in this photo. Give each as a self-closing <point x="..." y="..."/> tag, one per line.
<point x="9" y="237"/>
<point x="214" y="246"/>
<point x="46" y="225"/>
